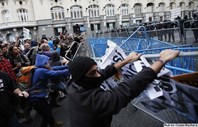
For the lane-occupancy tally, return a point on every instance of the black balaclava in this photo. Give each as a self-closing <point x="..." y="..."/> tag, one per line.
<point x="79" y="67"/>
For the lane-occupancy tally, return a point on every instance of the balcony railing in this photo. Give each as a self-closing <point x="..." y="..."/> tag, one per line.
<point x="139" y="15"/>
<point x="17" y="24"/>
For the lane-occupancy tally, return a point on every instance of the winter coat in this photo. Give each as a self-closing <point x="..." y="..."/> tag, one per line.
<point x="95" y="107"/>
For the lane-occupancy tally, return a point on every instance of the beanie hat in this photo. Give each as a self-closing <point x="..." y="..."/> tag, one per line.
<point x="79" y="67"/>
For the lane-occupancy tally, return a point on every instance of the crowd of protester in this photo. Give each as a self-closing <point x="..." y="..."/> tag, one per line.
<point x="22" y="53"/>
<point x="50" y="55"/>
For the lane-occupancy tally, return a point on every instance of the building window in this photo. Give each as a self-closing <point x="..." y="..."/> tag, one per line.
<point x="150" y="19"/>
<point x="2" y="4"/>
<point x="109" y="11"/>
<point x="6" y="16"/>
<point x="150" y="7"/>
<point x="137" y="9"/>
<point x="161" y="7"/>
<point x="191" y="5"/>
<point x="57" y="13"/>
<point x="20" y="2"/>
<point x="125" y="24"/>
<point x="182" y="5"/>
<point x="95" y="27"/>
<point x="93" y="11"/>
<point x="22" y="15"/>
<point x="111" y="25"/>
<point x="76" y="12"/>
<point x="59" y="30"/>
<point x="172" y="5"/>
<point x="125" y="9"/>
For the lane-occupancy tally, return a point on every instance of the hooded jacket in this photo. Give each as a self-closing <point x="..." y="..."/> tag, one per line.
<point x="41" y="76"/>
<point x="95" y="107"/>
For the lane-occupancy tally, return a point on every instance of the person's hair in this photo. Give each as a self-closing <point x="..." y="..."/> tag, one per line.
<point x="56" y="41"/>
<point x="45" y="47"/>
<point x="11" y="48"/>
<point x="55" y="56"/>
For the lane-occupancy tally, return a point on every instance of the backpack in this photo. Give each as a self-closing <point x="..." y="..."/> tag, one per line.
<point x="24" y="77"/>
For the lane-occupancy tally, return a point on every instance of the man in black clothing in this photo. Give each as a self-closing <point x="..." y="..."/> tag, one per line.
<point x="8" y="88"/>
<point x="91" y="106"/>
<point x="195" y="27"/>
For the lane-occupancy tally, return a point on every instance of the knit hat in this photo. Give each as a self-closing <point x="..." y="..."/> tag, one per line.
<point x="79" y="67"/>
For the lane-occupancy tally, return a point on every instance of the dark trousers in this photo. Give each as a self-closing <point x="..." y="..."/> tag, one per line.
<point x="11" y="121"/>
<point x="44" y="109"/>
<point x="171" y="35"/>
<point x="195" y="32"/>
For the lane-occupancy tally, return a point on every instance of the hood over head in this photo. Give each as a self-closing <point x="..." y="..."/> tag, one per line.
<point x="41" y="60"/>
<point x="79" y="67"/>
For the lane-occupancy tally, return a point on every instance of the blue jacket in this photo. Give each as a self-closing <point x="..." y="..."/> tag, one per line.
<point x="41" y="75"/>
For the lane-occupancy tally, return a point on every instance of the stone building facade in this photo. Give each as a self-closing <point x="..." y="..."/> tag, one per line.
<point x="50" y="17"/>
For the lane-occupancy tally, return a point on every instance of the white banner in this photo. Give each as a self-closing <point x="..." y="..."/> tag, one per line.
<point x="26" y="33"/>
<point x="115" y="54"/>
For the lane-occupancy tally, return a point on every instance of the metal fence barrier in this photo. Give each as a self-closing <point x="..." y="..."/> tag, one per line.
<point x="143" y="41"/>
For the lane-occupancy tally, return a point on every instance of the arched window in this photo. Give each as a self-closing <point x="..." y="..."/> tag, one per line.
<point x="124" y="9"/>
<point x="22" y="15"/>
<point x="93" y="11"/>
<point x="76" y="12"/>
<point x="57" y="13"/>
<point x="161" y="7"/>
<point x="150" y="7"/>
<point x="137" y="9"/>
<point x="172" y="5"/>
<point x="191" y="5"/>
<point x="6" y="16"/>
<point x="109" y="10"/>
<point x="182" y="5"/>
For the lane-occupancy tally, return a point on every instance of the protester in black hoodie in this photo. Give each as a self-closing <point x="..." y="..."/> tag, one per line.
<point x="91" y="106"/>
<point x="8" y="96"/>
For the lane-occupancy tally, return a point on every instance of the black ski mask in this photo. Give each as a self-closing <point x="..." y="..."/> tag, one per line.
<point x="79" y="67"/>
<point x="91" y="82"/>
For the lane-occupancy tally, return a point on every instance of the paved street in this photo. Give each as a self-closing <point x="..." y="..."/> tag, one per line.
<point x="128" y="117"/>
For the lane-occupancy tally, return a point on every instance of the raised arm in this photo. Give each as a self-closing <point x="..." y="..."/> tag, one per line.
<point x="165" y="56"/>
<point x="130" y="58"/>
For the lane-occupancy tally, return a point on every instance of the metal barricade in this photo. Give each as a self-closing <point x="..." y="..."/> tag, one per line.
<point x="190" y="30"/>
<point x="141" y="42"/>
